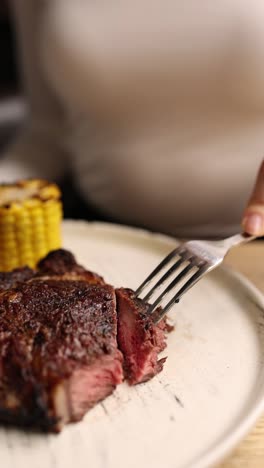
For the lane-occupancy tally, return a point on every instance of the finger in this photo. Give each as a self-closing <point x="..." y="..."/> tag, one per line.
<point x="253" y="219"/>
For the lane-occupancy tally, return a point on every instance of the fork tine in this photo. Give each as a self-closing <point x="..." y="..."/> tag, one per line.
<point x="176" y="280"/>
<point x="158" y="316"/>
<point x="184" y="257"/>
<point x="160" y="267"/>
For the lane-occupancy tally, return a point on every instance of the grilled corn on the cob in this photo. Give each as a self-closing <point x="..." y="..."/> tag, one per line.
<point x="30" y="222"/>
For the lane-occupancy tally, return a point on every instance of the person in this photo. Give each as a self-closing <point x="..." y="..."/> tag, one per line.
<point x="155" y="108"/>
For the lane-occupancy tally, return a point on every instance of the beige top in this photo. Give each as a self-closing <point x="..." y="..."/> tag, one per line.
<point x="161" y="104"/>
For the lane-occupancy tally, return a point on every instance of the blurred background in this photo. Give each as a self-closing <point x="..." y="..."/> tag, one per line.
<point x="13" y="108"/>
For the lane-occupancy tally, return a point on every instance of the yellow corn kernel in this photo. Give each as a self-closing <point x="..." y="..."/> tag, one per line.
<point x="30" y="222"/>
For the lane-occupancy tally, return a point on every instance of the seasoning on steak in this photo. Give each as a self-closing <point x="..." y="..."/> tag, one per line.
<point x="58" y="349"/>
<point x="10" y="279"/>
<point x="139" y="339"/>
<point x="61" y="264"/>
<point x="58" y="342"/>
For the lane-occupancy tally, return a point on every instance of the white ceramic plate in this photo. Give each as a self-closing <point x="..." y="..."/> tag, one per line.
<point x="209" y="395"/>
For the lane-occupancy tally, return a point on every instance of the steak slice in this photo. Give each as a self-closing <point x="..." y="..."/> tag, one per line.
<point x="58" y="349"/>
<point x="139" y="339"/>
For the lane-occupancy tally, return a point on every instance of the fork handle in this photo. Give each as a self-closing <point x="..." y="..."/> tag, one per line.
<point x="235" y="240"/>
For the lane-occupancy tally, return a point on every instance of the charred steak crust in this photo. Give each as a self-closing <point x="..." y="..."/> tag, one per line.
<point x="52" y="330"/>
<point x="11" y="279"/>
<point x="62" y="264"/>
<point x="58" y="262"/>
<point x="59" y="327"/>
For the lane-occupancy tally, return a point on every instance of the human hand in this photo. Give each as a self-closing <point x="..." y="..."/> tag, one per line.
<point x="253" y="219"/>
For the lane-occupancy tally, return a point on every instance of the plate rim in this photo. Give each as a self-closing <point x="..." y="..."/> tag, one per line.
<point x="220" y="450"/>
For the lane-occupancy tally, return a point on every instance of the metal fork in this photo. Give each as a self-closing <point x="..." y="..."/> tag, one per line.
<point x="193" y="260"/>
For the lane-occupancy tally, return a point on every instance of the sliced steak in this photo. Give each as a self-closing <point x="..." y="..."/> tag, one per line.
<point x="58" y="349"/>
<point x="139" y="339"/>
<point x="58" y="342"/>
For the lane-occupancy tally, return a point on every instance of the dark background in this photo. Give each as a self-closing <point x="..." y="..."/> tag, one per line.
<point x="8" y="76"/>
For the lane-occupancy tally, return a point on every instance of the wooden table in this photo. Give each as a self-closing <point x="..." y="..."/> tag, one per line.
<point x="249" y="260"/>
